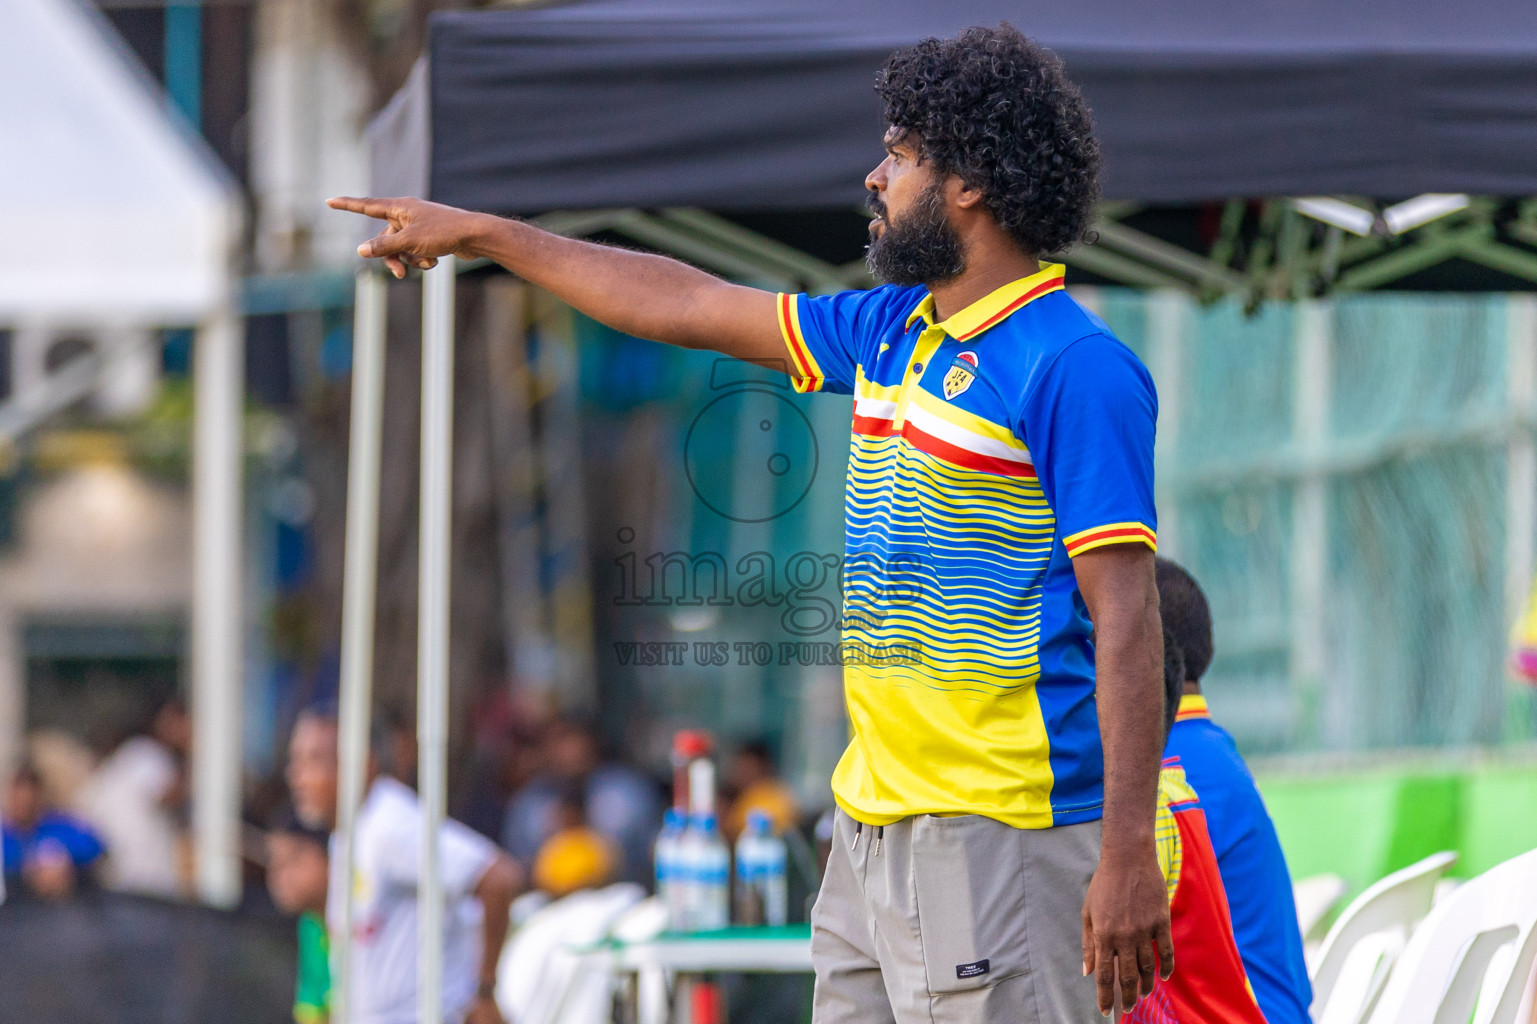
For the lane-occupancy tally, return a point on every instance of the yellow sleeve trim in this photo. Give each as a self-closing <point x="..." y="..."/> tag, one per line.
<point x="1110" y="533"/>
<point x="805" y="373"/>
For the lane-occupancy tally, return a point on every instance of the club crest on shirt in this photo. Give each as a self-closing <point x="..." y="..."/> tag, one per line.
<point x="958" y="378"/>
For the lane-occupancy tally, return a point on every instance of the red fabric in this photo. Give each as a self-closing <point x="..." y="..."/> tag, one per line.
<point x="1208" y="985"/>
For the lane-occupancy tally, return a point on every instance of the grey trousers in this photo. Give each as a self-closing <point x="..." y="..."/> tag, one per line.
<point x="950" y="920"/>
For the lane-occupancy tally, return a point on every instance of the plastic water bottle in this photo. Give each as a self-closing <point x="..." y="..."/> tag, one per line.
<point x="667" y="858"/>
<point x="709" y="874"/>
<point x="761" y="859"/>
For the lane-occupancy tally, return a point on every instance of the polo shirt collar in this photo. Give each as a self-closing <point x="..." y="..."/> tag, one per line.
<point x="994" y="307"/>
<point x="1192" y="705"/>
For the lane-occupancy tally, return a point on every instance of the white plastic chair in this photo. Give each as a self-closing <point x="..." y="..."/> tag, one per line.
<point x="540" y="980"/>
<point x="1315" y="896"/>
<point x="1476" y="947"/>
<point x="1360" y="949"/>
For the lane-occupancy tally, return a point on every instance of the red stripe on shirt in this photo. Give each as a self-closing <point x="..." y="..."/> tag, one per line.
<point x="797" y="344"/>
<point x="962" y="457"/>
<point x="1135" y="533"/>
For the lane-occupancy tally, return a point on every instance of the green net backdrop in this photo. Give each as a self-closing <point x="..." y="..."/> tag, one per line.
<point x="1352" y="482"/>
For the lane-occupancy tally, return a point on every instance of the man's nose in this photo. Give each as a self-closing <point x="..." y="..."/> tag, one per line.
<point x="875" y="181"/>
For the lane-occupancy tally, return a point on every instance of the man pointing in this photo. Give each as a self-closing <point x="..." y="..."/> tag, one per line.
<point x="994" y="854"/>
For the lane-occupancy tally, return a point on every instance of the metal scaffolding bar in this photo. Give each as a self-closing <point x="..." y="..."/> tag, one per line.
<point x="432" y="631"/>
<point x="359" y="572"/>
<point x="217" y="661"/>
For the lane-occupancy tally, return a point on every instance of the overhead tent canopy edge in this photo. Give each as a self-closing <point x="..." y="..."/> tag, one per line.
<point x="757" y="105"/>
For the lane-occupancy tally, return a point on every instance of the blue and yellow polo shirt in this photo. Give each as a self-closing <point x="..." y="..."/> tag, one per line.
<point x="988" y="451"/>
<point x="1249" y="858"/>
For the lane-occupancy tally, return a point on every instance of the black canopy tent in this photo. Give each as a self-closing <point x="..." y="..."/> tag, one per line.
<point x="768" y="103"/>
<point x="735" y="105"/>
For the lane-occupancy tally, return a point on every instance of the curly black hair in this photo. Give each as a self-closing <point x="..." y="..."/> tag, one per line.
<point x="997" y="110"/>
<point x="1186" y="614"/>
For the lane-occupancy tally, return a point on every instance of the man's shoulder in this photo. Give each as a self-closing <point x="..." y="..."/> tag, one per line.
<point x="1216" y="769"/>
<point x="390" y="807"/>
<point x="869" y="310"/>
<point x="1055" y="335"/>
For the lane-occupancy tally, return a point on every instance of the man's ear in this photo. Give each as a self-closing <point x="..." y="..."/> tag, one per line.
<point x="963" y="195"/>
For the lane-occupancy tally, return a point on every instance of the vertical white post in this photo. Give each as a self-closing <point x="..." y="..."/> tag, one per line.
<point x="358" y="575"/>
<point x="1168" y="320"/>
<point x="1311" y="397"/>
<point x="218" y="393"/>
<point x="432" y="629"/>
<point x="1521" y="453"/>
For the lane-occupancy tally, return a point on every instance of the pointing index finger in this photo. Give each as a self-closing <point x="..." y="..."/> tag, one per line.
<point x="368" y="207"/>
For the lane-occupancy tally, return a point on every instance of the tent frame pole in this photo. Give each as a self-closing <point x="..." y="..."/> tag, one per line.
<point x="433" y="623"/>
<point x="217" y="635"/>
<point x="359" y="573"/>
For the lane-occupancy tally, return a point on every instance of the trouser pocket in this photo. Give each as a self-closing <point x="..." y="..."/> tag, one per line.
<point x="968" y="877"/>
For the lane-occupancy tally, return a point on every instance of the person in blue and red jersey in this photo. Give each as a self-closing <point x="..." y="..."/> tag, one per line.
<point x="1001" y="640"/>
<point x="1254" y="873"/>
<point x="1210" y="985"/>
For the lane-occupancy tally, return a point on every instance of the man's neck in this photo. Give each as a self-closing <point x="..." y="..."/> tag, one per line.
<point x="1192" y="688"/>
<point x="988" y="268"/>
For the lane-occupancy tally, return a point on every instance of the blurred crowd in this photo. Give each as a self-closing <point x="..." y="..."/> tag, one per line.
<point x="542" y="805"/>
<point x="570" y="815"/>
<point x="73" y="821"/>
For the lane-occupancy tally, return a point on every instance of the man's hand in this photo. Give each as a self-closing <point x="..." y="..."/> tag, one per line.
<point x="1125" y="918"/>
<point x="417" y="232"/>
<point x="484" y="1011"/>
<point x="636" y="293"/>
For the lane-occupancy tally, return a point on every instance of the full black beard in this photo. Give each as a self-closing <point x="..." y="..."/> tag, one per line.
<point x="922" y="249"/>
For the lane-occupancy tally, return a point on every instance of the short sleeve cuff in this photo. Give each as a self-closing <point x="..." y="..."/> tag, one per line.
<point x="1110" y="533"/>
<point x="805" y="373"/>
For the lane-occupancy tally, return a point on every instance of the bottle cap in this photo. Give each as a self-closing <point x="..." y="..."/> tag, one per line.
<point x="704" y="820"/>
<point x="688" y="744"/>
<point x="759" y="823"/>
<point x="673" y="818"/>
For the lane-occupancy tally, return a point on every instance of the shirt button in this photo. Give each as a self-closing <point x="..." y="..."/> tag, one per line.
<point x="917" y="367"/>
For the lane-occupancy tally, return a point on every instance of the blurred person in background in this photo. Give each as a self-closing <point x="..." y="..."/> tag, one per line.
<point x="622" y="803"/>
<point x="753" y="785"/>
<point x="479" y="883"/>
<point x="577" y="856"/>
<point x="503" y="760"/>
<point x="1249" y="857"/>
<point x="48" y="853"/>
<point x="298" y="875"/>
<point x="136" y="798"/>
<point x="1210" y="985"/>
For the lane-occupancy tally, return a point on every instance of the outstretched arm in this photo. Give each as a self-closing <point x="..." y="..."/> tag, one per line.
<point x="637" y="293"/>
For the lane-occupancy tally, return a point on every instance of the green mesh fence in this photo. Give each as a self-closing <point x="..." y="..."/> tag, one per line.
<point x="1338" y="477"/>
<point x="1339" y="480"/>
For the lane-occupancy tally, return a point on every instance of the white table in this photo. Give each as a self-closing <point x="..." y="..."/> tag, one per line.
<point x="645" y="966"/>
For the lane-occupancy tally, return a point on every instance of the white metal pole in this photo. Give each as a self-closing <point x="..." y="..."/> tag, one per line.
<point x="218" y="391"/>
<point x="358" y="575"/>
<point x="432" y="629"/>
<point x="1309" y="568"/>
<point x="1520" y="452"/>
<point x="1168" y="324"/>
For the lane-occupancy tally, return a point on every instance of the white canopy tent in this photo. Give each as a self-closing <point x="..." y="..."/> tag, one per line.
<point x="118" y="220"/>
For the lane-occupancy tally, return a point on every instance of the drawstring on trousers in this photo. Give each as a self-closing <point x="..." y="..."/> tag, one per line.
<point x="880" y="833"/>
